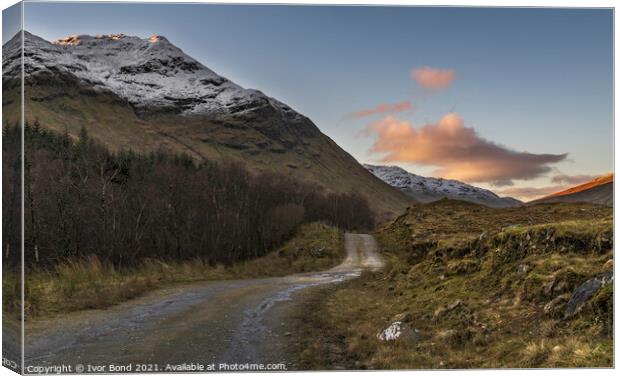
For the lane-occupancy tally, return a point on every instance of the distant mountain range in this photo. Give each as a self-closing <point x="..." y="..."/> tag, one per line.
<point x="428" y="189"/>
<point x="597" y="191"/>
<point x="147" y="94"/>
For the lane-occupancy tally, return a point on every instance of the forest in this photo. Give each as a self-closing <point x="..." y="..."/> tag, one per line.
<point x="82" y="200"/>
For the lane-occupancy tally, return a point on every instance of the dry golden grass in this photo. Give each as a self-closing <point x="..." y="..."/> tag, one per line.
<point x="89" y="283"/>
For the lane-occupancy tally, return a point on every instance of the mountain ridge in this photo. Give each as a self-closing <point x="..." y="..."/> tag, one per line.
<point x="429" y="189"/>
<point x="151" y="74"/>
<point x="146" y="94"/>
<point x="599" y="190"/>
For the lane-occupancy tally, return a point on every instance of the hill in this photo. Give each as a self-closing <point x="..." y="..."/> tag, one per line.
<point x="474" y="287"/>
<point x="146" y="95"/>
<point x="597" y="191"/>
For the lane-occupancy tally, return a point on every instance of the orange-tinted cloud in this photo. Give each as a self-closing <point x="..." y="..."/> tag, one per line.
<point x="572" y="179"/>
<point x="458" y="151"/>
<point x="431" y="78"/>
<point x="530" y="193"/>
<point x="383" y="109"/>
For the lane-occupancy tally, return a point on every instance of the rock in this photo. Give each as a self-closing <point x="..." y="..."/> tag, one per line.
<point x="399" y="330"/>
<point x="585" y="292"/>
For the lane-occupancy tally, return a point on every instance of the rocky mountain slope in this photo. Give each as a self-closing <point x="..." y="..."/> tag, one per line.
<point x="598" y="191"/>
<point x="426" y="189"/>
<point x="147" y="94"/>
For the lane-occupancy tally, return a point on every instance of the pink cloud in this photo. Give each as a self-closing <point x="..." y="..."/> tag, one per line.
<point x="457" y="151"/>
<point x="383" y="108"/>
<point x="432" y="78"/>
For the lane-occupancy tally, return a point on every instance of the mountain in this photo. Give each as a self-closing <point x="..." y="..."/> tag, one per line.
<point x="597" y="191"/>
<point x="426" y="190"/>
<point x="147" y="94"/>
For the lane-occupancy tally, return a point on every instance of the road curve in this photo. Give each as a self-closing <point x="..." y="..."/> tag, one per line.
<point x="215" y="322"/>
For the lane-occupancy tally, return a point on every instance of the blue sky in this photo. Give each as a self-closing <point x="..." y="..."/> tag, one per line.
<point x="529" y="80"/>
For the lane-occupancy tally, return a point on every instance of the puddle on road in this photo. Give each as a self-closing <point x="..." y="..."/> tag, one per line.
<point x="252" y="332"/>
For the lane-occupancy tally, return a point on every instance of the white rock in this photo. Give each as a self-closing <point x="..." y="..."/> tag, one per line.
<point x="392" y="332"/>
<point x="396" y="330"/>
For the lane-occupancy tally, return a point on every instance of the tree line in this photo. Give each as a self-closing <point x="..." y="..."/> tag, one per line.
<point x="81" y="199"/>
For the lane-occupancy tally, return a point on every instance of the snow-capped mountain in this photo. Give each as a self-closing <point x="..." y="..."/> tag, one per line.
<point x="149" y="73"/>
<point x="427" y="189"/>
<point x="145" y="94"/>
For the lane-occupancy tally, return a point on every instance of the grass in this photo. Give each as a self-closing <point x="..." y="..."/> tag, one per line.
<point x="485" y="287"/>
<point x="90" y="283"/>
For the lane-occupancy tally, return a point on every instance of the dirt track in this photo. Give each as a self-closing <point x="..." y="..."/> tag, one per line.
<point x="233" y="322"/>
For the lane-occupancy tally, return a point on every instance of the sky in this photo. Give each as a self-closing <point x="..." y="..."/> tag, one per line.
<point x="517" y="100"/>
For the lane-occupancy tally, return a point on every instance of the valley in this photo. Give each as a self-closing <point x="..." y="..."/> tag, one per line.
<point x="172" y="217"/>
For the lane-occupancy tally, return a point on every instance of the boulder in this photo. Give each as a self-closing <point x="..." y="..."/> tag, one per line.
<point x="585" y="292"/>
<point x="399" y="330"/>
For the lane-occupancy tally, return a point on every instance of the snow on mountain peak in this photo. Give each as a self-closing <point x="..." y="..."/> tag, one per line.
<point x="148" y="73"/>
<point x="428" y="189"/>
